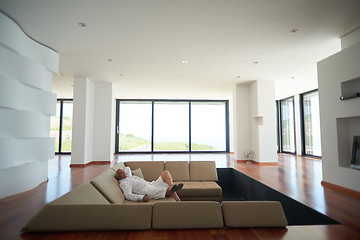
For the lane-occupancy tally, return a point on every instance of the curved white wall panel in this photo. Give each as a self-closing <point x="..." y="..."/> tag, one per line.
<point x="19" y="96"/>
<point x="18" y="151"/>
<point x="19" y="42"/>
<point x="22" y="178"/>
<point x="31" y="73"/>
<point x="26" y="104"/>
<point x="17" y="123"/>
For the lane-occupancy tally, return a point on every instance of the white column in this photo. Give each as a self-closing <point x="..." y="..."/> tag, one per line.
<point x="103" y="137"/>
<point x="93" y="120"/>
<point x="241" y="116"/>
<point x="266" y="121"/>
<point x="26" y="105"/>
<point x="83" y="114"/>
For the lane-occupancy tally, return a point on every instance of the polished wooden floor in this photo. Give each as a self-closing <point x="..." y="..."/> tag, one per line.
<point x="297" y="177"/>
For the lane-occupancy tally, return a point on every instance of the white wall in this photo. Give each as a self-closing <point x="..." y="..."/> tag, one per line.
<point x="332" y="71"/>
<point x="26" y="104"/>
<point x="350" y="39"/>
<point x="255" y="120"/>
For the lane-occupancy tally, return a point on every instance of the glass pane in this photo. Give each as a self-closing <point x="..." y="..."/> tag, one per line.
<point x="135" y="126"/>
<point x="67" y="126"/>
<point x="288" y="125"/>
<point x="171" y="126"/>
<point x="55" y="125"/>
<point x="312" y="124"/>
<point x="208" y="126"/>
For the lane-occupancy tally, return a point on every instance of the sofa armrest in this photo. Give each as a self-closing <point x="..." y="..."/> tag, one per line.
<point x="253" y="214"/>
<point x="90" y="217"/>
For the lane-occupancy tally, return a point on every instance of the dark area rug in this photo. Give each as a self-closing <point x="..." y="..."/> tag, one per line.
<point x="240" y="187"/>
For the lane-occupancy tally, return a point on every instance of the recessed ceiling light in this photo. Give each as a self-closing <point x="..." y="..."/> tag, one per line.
<point x="185" y="61"/>
<point x="294" y="30"/>
<point x="82" y="24"/>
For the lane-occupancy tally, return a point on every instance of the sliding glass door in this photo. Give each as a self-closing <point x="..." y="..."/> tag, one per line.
<point x="311" y="124"/>
<point x="172" y="126"/>
<point x="61" y="126"/>
<point x="287" y="125"/>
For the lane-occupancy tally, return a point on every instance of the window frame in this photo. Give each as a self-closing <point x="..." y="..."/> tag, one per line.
<point x="117" y="125"/>
<point x="62" y="100"/>
<point x="302" y="124"/>
<point x="281" y="127"/>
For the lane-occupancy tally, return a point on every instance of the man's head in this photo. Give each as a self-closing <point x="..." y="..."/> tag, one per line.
<point x="120" y="174"/>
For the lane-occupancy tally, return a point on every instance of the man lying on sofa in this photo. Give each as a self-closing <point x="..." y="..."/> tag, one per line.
<point x="138" y="189"/>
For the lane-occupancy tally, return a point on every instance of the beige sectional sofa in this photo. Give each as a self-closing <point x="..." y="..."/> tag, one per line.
<point x="100" y="205"/>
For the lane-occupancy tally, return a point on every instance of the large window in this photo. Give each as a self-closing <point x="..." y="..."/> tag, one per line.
<point x="135" y="131"/>
<point x="287" y="125"/>
<point x="172" y="126"/>
<point x="311" y="136"/>
<point x="61" y="126"/>
<point x="207" y="126"/>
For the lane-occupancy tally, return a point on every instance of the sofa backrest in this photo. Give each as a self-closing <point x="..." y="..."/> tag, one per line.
<point x="108" y="186"/>
<point x="179" y="170"/>
<point x="151" y="170"/>
<point x="203" y="171"/>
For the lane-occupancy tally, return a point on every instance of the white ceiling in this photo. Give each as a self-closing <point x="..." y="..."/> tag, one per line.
<point x="147" y="41"/>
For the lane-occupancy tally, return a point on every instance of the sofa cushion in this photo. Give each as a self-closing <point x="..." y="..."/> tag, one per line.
<point x="253" y="214"/>
<point x="200" y="189"/>
<point x="137" y="172"/>
<point x="91" y="217"/>
<point x="179" y="170"/>
<point x="109" y="187"/>
<point x="119" y="165"/>
<point x="203" y="171"/>
<point x="187" y="215"/>
<point x="85" y="193"/>
<point x="150" y="169"/>
<point x="168" y="199"/>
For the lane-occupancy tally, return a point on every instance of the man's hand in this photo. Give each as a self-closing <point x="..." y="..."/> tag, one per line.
<point x="145" y="199"/>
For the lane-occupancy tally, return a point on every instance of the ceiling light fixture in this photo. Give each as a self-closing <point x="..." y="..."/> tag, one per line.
<point x="185" y="61"/>
<point x="294" y="30"/>
<point x="82" y="24"/>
